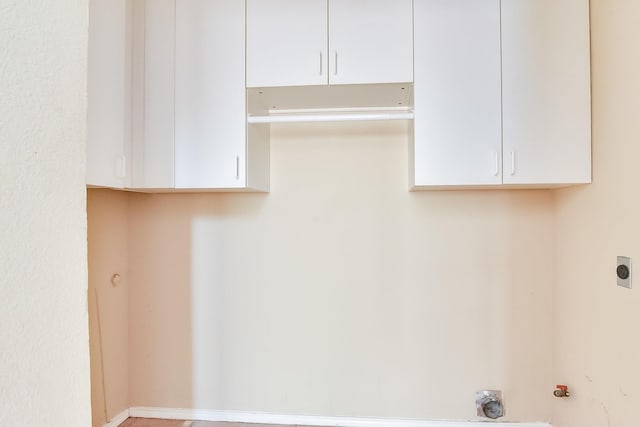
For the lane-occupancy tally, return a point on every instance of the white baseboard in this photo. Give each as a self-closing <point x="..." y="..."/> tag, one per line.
<point x="308" y="420"/>
<point x="118" y="419"/>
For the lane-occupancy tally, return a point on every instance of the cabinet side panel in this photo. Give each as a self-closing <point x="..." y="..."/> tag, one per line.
<point x="210" y="94"/>
<point x="457" y="92"/>
<point x="546" y="84"/>
<point x="258" y="158"/>
<point x="106" y="121"/>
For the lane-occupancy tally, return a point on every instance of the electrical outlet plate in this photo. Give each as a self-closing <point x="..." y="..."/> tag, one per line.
<point x="623" y="272"/>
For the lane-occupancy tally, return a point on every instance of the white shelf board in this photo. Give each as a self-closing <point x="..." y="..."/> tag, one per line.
<point x="302" y="116"/>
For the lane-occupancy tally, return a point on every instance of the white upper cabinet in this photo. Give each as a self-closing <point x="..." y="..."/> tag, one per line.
<point x="286" y="43"/>
<point x="108" y="118"/>
<point x="319" y="42"/>
<point x="502" y="93"/>
<point x="546" y="91"/>
<point x="210" y="129"/>
<point x="370" y="42"/>
<point x="457" y="93"/>
<point x="189" y="101"/>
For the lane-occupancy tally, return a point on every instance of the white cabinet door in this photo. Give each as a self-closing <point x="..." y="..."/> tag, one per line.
<point x="210" y="94"/>
<point x="546" y="91"/>
<point x="319" y="42"/>
<point x="457" y="93"/>
<point x="108" y="119"/>
<point x="370" y="42"/>
<point x="154" y="47"/>
<point x="286" y="42"/>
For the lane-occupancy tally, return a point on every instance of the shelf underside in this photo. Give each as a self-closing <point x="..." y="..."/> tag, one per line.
<point x="330" y="103"/>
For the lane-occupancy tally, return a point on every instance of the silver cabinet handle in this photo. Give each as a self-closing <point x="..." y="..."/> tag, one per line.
<point x="237" y="167"/>
<point x="321" y="63"/>
<point x="335" y="63"/>
<point x="513" y="163"/>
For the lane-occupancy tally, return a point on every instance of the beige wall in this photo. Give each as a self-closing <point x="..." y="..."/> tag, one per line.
<point x="44" y="352"/>
<point x="596" y="322"/>
<point x="107" y="213"/>
<point x="341" y="293"/>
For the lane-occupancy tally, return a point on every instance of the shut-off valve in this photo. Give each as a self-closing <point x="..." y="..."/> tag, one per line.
<point x="561" y="391"/>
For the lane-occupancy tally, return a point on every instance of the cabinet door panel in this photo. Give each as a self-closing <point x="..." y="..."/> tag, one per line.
<point x="370" y="42"/>
<point x="108" y="116"/>
<point x="154" y="152"/>
<point x="286" y="42"/>
<point x="210" y="94"/>
<point x="457" y="93"/>
<point x="546" y="86"/>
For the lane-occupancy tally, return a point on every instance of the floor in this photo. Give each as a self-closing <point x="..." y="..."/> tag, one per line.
<point x="148" y="422"/>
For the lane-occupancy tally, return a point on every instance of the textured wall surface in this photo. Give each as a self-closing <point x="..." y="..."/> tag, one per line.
<point x="596" y="322"/>
<point x="44" y="352"/>
<point x="340" y="292"/>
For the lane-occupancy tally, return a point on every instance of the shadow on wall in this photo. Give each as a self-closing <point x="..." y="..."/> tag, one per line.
<point x="340" y="293"/>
